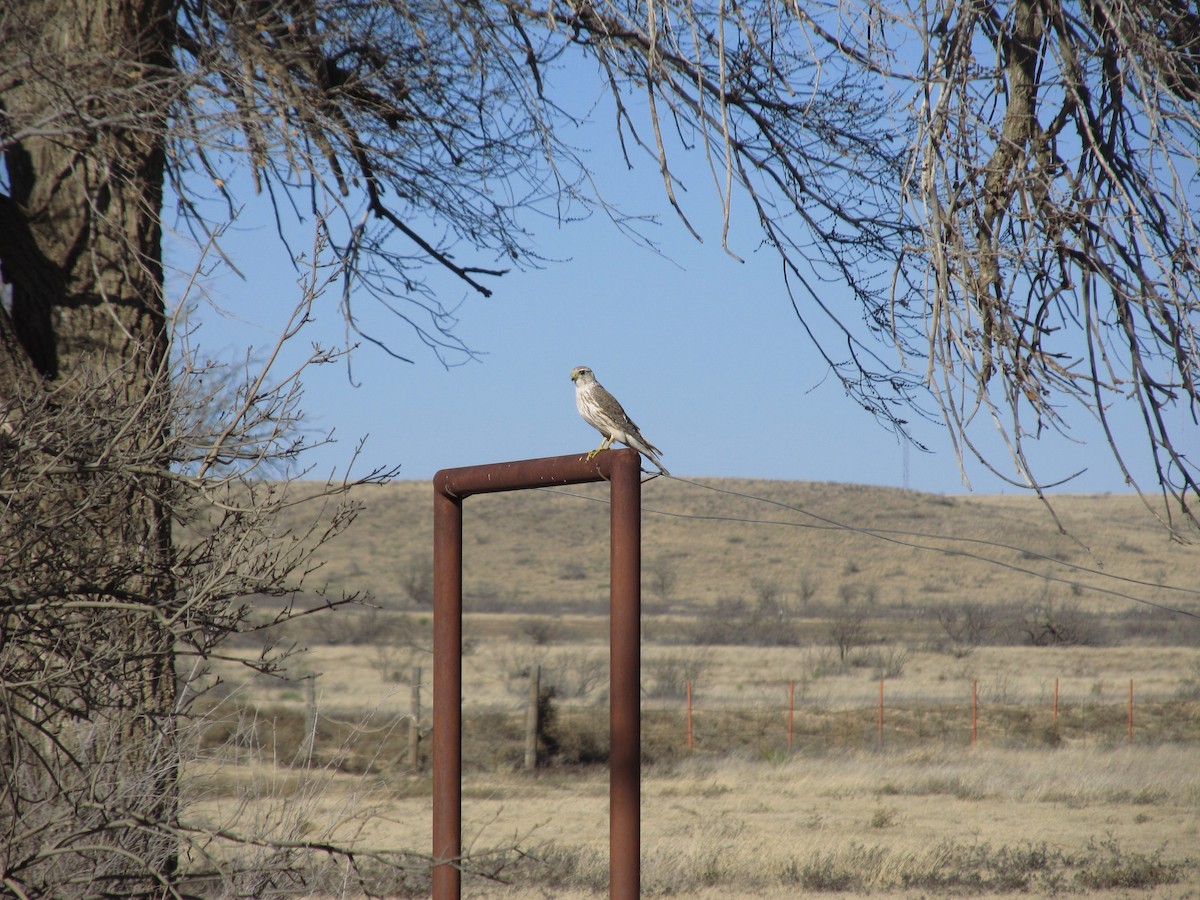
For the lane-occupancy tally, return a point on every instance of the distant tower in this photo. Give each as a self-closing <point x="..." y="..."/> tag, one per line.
<point x="905" y="443"/>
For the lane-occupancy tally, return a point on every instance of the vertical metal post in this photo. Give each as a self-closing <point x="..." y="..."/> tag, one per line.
<point x="447" y="694"/>
<point x="625" y="726"/>
<point x="622" y="468"/>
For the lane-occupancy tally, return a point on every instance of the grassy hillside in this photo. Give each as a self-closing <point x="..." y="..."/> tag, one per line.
<point x="807" y="545"/>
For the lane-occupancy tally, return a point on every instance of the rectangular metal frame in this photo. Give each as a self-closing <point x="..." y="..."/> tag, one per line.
<point x="622" y="469"/>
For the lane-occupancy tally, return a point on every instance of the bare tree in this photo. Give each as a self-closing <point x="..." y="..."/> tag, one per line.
<point x="104" y="638"/>
<point x="966" y="624"/>
<point x="1008" y="191"/>
<point x="662" y="577"/>
<point x="807" y="586"/>
<point x="1054" y="180"/>
<point x="847" y="630"/>
<point x="1047" y="621"/>
<point x="416" y="579"/>
<point x="412" y="135"/>
<point x="1011" y="208"/>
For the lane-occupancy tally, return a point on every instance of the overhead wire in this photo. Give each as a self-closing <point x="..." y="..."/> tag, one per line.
<point x="912" y="539"/>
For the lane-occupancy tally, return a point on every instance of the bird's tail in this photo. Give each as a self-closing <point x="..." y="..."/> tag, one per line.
<point x="651" y="452"/>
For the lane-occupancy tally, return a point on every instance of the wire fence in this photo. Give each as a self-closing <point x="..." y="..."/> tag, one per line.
<point x="540" y="730"/>
<point x="891" y="720"/>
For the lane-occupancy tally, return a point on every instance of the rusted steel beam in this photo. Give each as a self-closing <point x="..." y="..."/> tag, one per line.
<point x="529" y="473"/>
<point x="447" y="694"/>
<point x="625" y="674"/>
<point x="451" y="486"/>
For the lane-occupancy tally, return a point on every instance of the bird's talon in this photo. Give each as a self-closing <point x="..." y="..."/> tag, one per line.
<point x="601" y="410"/>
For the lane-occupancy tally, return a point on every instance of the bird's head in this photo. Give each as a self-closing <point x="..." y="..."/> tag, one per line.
<point x="582" y="375"/>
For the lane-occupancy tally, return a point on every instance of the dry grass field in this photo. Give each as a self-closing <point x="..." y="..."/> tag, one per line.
<point x="989" y="821"/>
<point x="829" y="588"/>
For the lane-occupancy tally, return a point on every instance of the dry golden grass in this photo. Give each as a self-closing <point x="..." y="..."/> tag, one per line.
<point x="1035" y="808"/>
<point x="738" y="817"/>
<point x="1022" y="820"/>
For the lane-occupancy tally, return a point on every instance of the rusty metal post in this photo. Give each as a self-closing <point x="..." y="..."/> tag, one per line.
<point x="531" y="717"/>
<point x="451" y="486"/>
<point x="447" y="694"/>
<point x="625" y="675"/>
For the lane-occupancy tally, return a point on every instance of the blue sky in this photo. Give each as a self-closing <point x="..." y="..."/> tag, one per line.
<point x="705" y="353"/>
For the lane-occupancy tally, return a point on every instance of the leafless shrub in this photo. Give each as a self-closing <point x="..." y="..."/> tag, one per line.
<point x="965" y="625"/>
<point x="847" y="630"/>
<point x="514" y="661"/>
<point x="669" y="674"/>
<point x="734" y="621"/>
<point x="416" y="579"/>
<point x="767" y="592"/>
<point x="662" y="577"/>
<point x="806" y="588"/>
<point x="575" y="675"/>
<point x="282" y="826"/>
<point x="888" y="662"/>
<point x="568" y="737"/>
<point x="823" y="661"/>
<point x="852" y="593"/>
<point x="541" y="631"/>
<point x="87" y="634"/>
<point x="399" y="645"/>
<point x="1049" y="622"/>
<point x="997" y="687"/>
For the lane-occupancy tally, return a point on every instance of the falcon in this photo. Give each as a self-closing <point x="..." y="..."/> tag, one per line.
<point x="601" y="410"/>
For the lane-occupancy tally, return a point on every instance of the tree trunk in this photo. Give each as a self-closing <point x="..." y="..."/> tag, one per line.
<point x="90" y="747"/>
